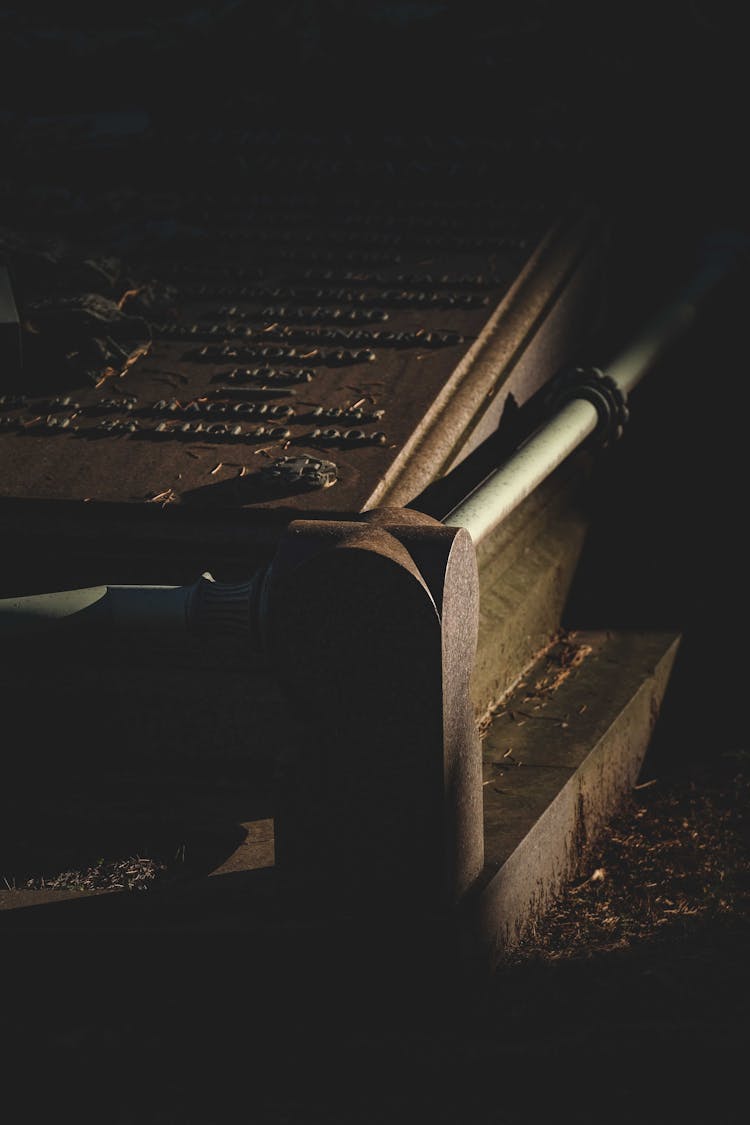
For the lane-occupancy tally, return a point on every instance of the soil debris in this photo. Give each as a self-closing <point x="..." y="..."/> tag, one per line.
<point x="675" y="858"/>
<point x="135" y="873"/>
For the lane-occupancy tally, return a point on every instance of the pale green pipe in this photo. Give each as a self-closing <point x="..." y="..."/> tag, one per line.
<point x="505" y="488"/>
<point x="122" y="608"/>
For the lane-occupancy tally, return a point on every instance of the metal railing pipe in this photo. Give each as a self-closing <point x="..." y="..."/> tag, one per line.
<point x="635" y="360"/>
<point x="578" y="418"/>
<point x="489" y="504"/>
<point x="129" y="608"/>
<point x="204" y="610"/>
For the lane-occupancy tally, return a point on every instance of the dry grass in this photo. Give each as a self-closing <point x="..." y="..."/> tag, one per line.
<point x="563" y="654"/>
<point x="675" y="859"/>
<point x="135" y="873"/>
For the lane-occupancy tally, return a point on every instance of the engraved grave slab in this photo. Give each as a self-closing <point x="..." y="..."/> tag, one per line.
<point x="319" y="354"/>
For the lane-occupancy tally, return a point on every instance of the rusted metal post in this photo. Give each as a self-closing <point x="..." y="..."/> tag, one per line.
<point x="372" y="626"/>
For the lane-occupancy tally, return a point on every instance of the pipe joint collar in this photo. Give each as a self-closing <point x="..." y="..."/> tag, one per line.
<point x="602" y="392"/>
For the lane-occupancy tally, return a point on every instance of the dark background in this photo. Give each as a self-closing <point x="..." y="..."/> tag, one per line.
<point x="643" y="104"/>
<point x="640" y="109"/>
